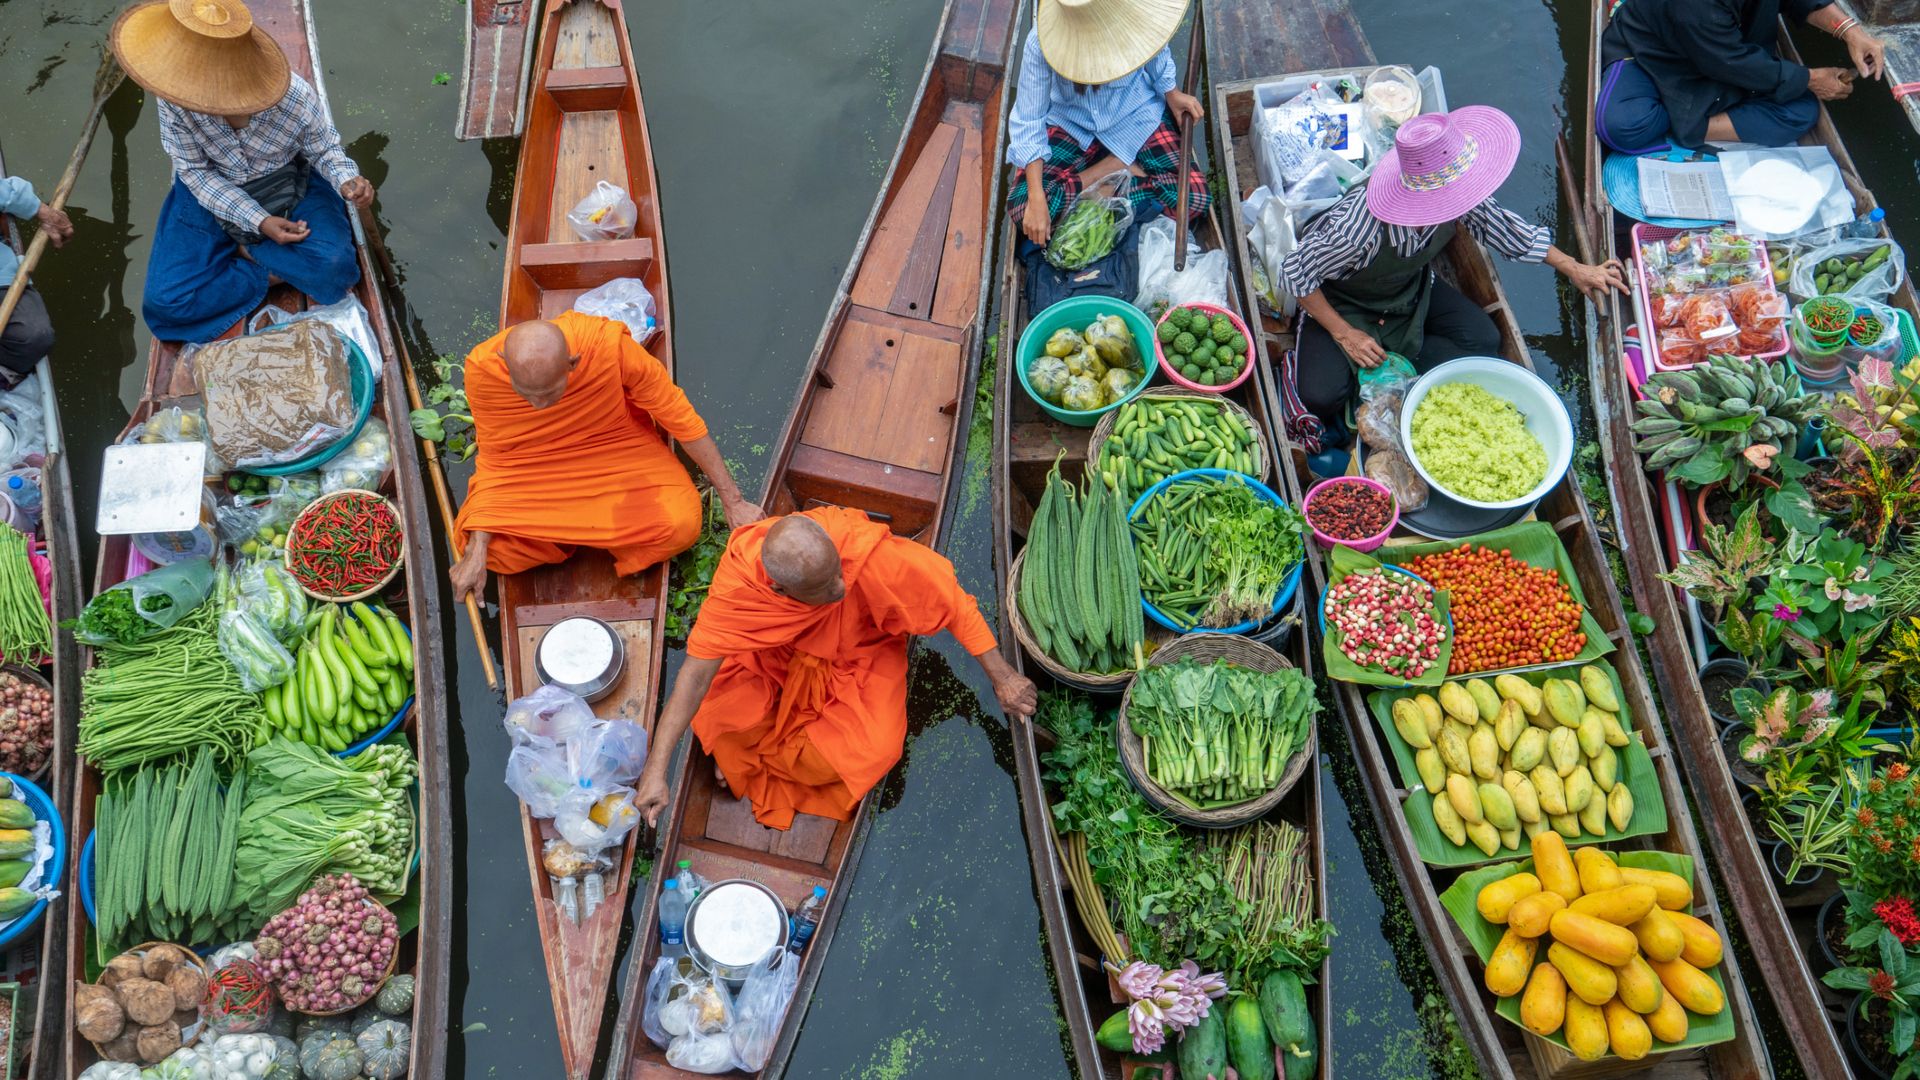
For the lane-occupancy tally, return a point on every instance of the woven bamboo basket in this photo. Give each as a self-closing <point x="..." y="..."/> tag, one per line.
<point x="140" y="950"/>
<point x="1234" y="649"/>
<point x="1079" y="680"/>
<point x="27" y="674"/>
<point x="1262" y="462"/>
<point x="373" y="985"/>
<point x="398" y="562"/>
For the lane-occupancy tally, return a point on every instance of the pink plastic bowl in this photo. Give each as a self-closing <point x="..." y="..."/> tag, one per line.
<point x="1370" y="542"/>
<point x="1253" y="350"/>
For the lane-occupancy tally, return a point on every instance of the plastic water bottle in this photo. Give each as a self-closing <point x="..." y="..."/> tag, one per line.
<point x="25" y="495"/>
<point x="805" y="921"/>
<point x="691" y="884"/>
<point x="569" y="898"/>
<point x="673" y="919"/>
<point x="593" y="890"/>
<point x="1867" y="226"/>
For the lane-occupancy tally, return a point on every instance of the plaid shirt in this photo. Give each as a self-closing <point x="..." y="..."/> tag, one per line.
<point x="213" y="158"/>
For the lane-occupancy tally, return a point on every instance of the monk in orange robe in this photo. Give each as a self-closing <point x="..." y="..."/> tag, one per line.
<point x="796" y="672"/>
<point x="564" y="413"/>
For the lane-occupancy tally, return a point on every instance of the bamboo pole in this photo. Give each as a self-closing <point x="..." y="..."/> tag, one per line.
<point x="1190" y="84"/>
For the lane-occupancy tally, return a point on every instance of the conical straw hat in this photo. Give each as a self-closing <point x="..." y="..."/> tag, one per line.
<point x="1098" y="41"/>
<point x="205" y="56"/>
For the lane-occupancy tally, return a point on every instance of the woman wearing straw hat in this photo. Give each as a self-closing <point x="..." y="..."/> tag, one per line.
<point x="261" y="183"/>
<point x="1361" y="271"/>
<point x="1097" y="95"/>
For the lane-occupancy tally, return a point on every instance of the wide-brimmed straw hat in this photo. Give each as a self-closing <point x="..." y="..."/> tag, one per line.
<point x="1098" y="41"/>
<point x="205" y="56"/>
<point x="1443" y="165"/>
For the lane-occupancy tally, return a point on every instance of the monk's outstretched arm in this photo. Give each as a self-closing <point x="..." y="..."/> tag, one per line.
<point x="696" y="675"/>
<point x="1015" y="691"/>
<point x="706" y="454"/>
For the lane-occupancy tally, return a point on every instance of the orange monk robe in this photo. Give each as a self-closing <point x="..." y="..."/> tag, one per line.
<point x="809" y="708"/>
<point x="591" y="470"/>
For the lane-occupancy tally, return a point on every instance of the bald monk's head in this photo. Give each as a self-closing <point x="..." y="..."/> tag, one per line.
<point x="538" y="362"/>
<point x="802" y="561"/>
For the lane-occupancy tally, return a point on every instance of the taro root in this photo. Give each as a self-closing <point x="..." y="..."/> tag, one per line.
<point x="126" y="1048"/>
<point x="119" y="969"/>
<point x="147" y="1002"/>
<point x="161" y="960"/>
<point x="189" y="986"/>
<point x="186" y="1018"/>
<point x="157" y="1041"/>
<point x="97" y="1013"/>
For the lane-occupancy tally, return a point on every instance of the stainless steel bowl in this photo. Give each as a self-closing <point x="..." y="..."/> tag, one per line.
<point x="581" y="654"/>
<point x="733" y="925"/>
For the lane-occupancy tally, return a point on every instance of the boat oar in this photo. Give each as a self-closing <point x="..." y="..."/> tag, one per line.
<point x="105" y="82"/>
<point x="1187" y="86"/>
<point x="427" y="447"/>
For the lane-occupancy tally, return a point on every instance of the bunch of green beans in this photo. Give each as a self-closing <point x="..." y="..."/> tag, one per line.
<point x="167" y="695"/>
<point x="26" y="634"/>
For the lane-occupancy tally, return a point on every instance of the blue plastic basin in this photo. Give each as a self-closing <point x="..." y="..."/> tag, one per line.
<point x="1075" y="314"/>
<point x="1287" y="588"/>
<point x="56" y="868"/>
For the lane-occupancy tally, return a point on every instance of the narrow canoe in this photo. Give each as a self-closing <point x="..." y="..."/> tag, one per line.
<point x="1781" y="944"/>
<point x="879" y="425"/>
<point x="585" y="124"/>
<point x="414" y="596"/>
<point x="1898" y="24"/>
<point x="1500" y="1049"/>
<point x="500" y="37"/>
<point x="57" y="528"/>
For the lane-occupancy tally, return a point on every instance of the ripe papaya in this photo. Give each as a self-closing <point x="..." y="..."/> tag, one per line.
<point x="1586" y="1029"/>
<point x="1674" y="893"/>
<point x="1497" y="899"/>
<point x="1623" y="906"/>
<point x="1592" y="981"/>
<point x="1543" y="1008"/>
<point x="1510" y="964"/>
<point x="1695" y="988"/>
<point x="1531" y="915"/>
<point x="1668" y="1023"/>
<point x="1554" y="867"/>
<point x="1598" y="872"/>
<point x="1611" y="945"/>
<point x="1640" y="988"/>
<point x="1659" y="936"/>
<point x="1626" y="1032"/>
<point x="1702" y="948"/>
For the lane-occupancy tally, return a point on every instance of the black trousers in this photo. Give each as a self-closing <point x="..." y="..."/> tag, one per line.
<point x="29" y="334"/>
<point x="1456" y="327"/>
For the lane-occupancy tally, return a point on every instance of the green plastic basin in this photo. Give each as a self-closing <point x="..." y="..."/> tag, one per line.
<point x="1077" y="313"/>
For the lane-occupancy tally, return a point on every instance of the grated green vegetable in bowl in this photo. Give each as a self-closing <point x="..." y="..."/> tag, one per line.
<point x="1475" y="444"/>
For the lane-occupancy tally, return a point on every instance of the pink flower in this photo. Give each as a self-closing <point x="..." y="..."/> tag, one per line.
<point x="1856" y="601"/>
<point x="1137" y="979"/>
<point x="1760" y="455"/>
<point x="1833" y="589"/>
<point x="1785" y="614"/>
<point x="1214" y="985"/>
<point x="1144" y="1024"/>
<point x="1859" y="573"/>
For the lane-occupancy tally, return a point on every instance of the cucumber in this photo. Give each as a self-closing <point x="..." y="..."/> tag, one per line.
<point x="1283" y="1005"/>
<point x="1247" y="1042"/>
<point x="1203" y="1047"/>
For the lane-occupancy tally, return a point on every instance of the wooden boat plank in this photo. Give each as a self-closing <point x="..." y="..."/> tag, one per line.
<point x="493" y="76"/>
<point x="888" y="258"/>
<point x="913" y="296"/>
<point x="957" y="294"/>
<point x="1252" y="41"/>
<point x="861" y="370"/>
<point x="915" y="425"/>
<point x="590" y="152"/>
<point x="589" y="37"/>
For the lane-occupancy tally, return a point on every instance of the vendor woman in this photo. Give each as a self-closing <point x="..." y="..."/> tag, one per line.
<point x="1096" y="96"/>
<point x="260" y="181"/>
<point x="1361" y="268"/>
<point x="1697" y="71"/>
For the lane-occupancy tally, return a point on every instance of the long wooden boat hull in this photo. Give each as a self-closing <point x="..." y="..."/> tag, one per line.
<point x="497" y="61"/>
<point x="877" y="426"/>
<point x="425" y="952"/>
<point x="1499" y="1048"/>
<point x="1778" y="946"/>
<point x="585" y="124"/>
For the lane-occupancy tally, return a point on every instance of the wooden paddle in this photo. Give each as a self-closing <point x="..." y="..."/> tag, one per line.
<point x="1187" y="85"/>
<point x="427" y="447"/>
<point x="105" y="82"/>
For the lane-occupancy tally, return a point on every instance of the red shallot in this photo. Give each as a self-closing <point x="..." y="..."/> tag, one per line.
<point x="331" y="949"/>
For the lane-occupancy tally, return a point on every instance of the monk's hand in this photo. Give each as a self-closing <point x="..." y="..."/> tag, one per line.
<point x="469" y="575"/>
<point x="358" y="192"/>
<point x="650" y="797"/>
<point x="55" y="223"/>
<point x="281" y="231"/>
<point x="1830" y="84"/>
<point x="741" y="513"/>
<point x="1016" y="692"/>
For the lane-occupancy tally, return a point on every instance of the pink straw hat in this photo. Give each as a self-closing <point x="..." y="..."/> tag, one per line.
<point x="1443" y="165"/>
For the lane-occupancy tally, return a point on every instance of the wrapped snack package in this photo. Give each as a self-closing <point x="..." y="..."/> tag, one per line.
<point x="1048" y="376"/>
<point x="1678" y="348"/>
<point x="278" y="395"/>
<point x="361" y="464"/>
<point x="1379" y="422"/>
<point x="1395" y="471"/>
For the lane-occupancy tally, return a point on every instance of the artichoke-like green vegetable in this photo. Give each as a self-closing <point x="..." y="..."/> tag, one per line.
<point x="1183" y="343"/>
<point x="1679" y="424"/>
<point x="1238" y="342"/>
<point x="1223" y="330"/>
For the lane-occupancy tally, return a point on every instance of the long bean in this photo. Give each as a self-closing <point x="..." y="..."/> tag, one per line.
<point x="26" y="634"/>
<point x="168" y="693"/>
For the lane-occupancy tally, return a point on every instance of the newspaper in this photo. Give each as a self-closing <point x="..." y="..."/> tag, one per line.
<point x="1693" y="190"/>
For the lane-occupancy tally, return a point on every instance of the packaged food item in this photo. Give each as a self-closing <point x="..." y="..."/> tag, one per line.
<point x="278" y="395"/>
<point x="1679" y="349"/>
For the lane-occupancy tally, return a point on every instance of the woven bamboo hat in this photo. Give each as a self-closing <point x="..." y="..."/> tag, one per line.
<point x="205" y="56"/>
<point x="1098" y="41"/>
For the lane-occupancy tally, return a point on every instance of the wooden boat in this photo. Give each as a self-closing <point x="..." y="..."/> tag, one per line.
<point x="1779" y="929"/>
<point x="47" y="996"/>
<point x="414" y="596"/>
<point x="879" y="425"/>
<point x="1898" y="24"/>
<point x="1500" y="1049"/>
<point x="585" y="124"/>
<point x="500" y="37"/>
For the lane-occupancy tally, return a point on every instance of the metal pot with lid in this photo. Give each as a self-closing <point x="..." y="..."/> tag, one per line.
<point x="733" y="925"/>
<point x="583" y="655"/>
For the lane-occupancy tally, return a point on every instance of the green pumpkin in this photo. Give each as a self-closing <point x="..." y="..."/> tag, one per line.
<point x="335" y="1059"/>
<point x="385" y="1046"/>
<point x="310" y="1025"/>
<point x="396" y="996"/>
<point x="286" y="1060"/>
<point x="365" y="1017"/>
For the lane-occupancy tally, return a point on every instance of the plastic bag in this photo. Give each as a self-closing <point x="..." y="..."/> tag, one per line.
<point x="276" y="396"/>
<point x="1876" y="282"/>
<point x="227" y="954"/>
<point x="761" y="1006"/>
<point x="659" y="984"/>
<point x="551" y="712"/>
<point x="162" y="596"/>
<point x="1395" y="471"/>
<point x="110" y="1070"/>
<point x="348" y="318"/>
<point x="253" y="650"/>
<point x="174" y="424"/>
<point x="1288" y="138"/>
<point x="607" y="213"/>
<point x="1087" y="362"/>
<point x="241" y="518"/>
<point x="1093" y="223"/>
<point x="1874" y="335"/>
<point x="1082" y="394"/>
<point x="608" y="753"/>
<point x="239" y="1000"/>
<point x="537" y="772"/>
<point x="1065" y="342"/>
<point x="701" y="1053"/>
<point x="1111" y="338"/>
<point x="268" y="593"/>
<point x="21" y="410"/>
<point x="625" y="300"/>
<point x="1382" y="393"/>
<point x="594" y="818"/>
<point x="1119" y="382"/>
<point x="1048" y="376"/>
<point x="241" y="1056"/>
<point x="294" y="493"/>
<point x="362" y="463"/>
<point x="1162" y="287"/>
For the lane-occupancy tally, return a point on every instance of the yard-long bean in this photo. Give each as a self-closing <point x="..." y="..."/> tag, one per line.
<point x="165" y="695"/>
<point x="26" y="634"/>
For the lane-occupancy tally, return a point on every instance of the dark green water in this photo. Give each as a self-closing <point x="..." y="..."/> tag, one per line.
<point x="772" y="126"/>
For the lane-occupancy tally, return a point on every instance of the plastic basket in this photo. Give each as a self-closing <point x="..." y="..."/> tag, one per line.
<point x="1280" y="599"/>
<point x="1075" y="314"/>
<point x="56" y="869"/>
<point x="360" y="378"/>
<point x="1644" y="233"/>
<point x="1160" y="353"/>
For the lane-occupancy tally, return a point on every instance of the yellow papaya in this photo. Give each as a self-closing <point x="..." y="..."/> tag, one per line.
<point x="1598" y="873"/>
<point x="1592" y="981"/>
<point x="1668" y="1023"/>
<point x="1611" y="945"/>
<point x="1671" y="889"/>
<point x="1543" y="1008"/>
<point x="1411" y="723"/>
<point x="1497" y="898"/>
<point x="1554" y="867"/>
<point x="1640" y="988"/>
<point x="1659" y="936"/>
<point x="1531" y="915"/>
<point x="1484" y="699"/>
<point x="1510" y="964"/>
<point x="1586" y="1025"/>
<point x="1623" y="906"/>
<point x="1702" y="948"/>
<point x="1695" y="989"/>
<point x="1626" y="1032"/>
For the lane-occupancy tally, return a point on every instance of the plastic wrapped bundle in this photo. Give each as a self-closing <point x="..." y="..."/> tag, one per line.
<point x="1395" y="471"/>
<point x="1048" y="376"/>
<point x="1110" y="338"/>
<point x="1119" y="382"/>
<point x="1065" y="342"/>
<point x="276" y="396"/>
<point x="1082" y="394"/>
<point x="1087" y="362"/>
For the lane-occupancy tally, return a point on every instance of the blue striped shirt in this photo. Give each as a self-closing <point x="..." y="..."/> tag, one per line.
<point x="1122" y="114"/>
<point x="16" y="198"/>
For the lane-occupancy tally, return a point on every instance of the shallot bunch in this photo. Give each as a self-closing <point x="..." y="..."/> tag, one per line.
<point x="1165" y="1000"/>
<point x="329" y="950"/>
<point x="1387" y="622"/>
<point x="26" y="725"/>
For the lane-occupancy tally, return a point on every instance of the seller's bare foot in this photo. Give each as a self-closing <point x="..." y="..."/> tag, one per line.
<point x="720" y="777"/>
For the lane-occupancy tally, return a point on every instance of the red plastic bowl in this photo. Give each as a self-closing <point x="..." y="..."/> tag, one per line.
<point x="1370" y="542"/>
<point x="1253" y="352"/>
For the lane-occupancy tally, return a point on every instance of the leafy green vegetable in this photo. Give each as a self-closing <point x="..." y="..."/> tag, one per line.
<point x="1087" y="235"/>
<point x="1218" y="731"/>
<point x="110" y="616"/>
<point x="693" y="569"/>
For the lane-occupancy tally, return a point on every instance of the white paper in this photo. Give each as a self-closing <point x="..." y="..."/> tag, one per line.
<point x="1784" y="192"/>
<point x="1695" y="191"/>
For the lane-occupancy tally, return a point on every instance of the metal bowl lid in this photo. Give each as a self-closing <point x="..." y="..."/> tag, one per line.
<point x="737" y="923"/>
<point x="577" y="651"/>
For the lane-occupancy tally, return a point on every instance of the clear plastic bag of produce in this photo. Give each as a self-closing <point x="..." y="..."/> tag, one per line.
<point x="1878" y="275"/>
<point x="186" y="1063"/>
<point x="596" y="817"/>
<point x="608" y="753"/>
<point x="20" y="408"/>
<point x="242" y="1056"/>
<point x="607" y="213"/>
<point x="240" y="517"/>
<point x="278" y="395"/>
<point x="266" y="592"/>
<point x="696" y="1053"/>
<point x="160" y="597"/>
<point x="1086" y="362"/>
<point x="254" y="652"/>
<point x="239" y="999"/>
<point x="1113" y="341"/>
<point x="174" y="425"/>
<point x="660" y="983"/>
<point x="1082" y="394"/>
<point x="294" y="493"/>
<point x="1162" y="287"/>
<point x="625" y="300"/>
<point x="551" y="712"/>
<point x="1874" y="334"/>
<point x="1119" y="382"/>
<point x="111" y="1070"/>
<point x="1382" y="392"/>
<point x="363" y="462"/>
<point x="761" y="1006"/>
<point x="537" y="772"/>
<point x="1048" y="376"/>
<point x="1093" y="222"/>
<point x="699" y="1014"/>
<point x="348" y="318"/>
